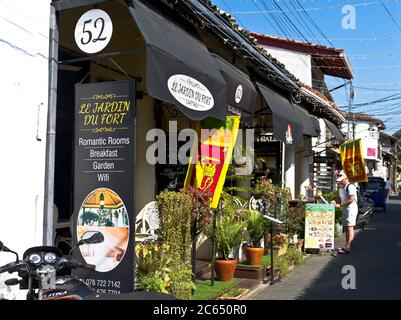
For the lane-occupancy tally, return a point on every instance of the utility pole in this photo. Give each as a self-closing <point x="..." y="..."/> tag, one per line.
<point x="351" y="99"/>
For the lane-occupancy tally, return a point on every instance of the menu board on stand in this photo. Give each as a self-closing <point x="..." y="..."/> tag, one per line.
<point x="319" y="226"/>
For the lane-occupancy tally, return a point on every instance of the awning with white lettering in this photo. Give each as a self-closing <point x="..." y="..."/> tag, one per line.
<point x="179" y="68"/>
<point x="241" y="94"/>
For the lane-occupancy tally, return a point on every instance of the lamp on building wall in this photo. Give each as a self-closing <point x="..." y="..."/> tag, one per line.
<point x="101" y="201"/>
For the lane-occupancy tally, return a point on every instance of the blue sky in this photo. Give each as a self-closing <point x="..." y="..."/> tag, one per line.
<point x="373" y="47"/>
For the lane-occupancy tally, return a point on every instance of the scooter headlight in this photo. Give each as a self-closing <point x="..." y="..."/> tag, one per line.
<point x="35" y="258"/>
<point x="50" y="258"/>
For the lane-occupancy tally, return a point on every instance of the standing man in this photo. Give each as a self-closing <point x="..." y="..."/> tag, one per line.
<point x="349" y="204"/>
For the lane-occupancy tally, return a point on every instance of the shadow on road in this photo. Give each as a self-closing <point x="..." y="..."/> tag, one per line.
<point x="376" y="257"/>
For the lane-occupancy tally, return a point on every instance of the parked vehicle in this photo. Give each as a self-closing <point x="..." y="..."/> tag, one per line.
<point x="38" y="264"/>
<point x="375" y="189"/>
<point x="365" y="210"/>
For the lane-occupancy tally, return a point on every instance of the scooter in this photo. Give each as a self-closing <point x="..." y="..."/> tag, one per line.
<point x="39" y="273"/>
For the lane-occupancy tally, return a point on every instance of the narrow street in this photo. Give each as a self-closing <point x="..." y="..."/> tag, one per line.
<point x="376" y="257"/>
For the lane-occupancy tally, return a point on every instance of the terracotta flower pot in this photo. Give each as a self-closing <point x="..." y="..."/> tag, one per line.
<point x="254" y="255"/>
<point x="225" y="269"/>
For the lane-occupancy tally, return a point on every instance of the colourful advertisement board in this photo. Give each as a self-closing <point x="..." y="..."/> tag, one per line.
<point x="319" y="226"/>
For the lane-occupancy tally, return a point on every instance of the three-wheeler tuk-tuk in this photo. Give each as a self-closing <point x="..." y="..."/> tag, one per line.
<point x="375" y="189"/>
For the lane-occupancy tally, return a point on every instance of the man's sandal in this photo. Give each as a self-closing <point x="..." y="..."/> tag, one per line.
<point x="344" y="250"/>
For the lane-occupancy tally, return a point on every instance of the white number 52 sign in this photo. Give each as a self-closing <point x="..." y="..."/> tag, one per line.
<point x="93" y="31"/>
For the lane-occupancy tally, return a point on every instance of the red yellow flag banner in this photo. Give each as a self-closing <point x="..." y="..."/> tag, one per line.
<point x="352" y="161"/>
<point x="207" y="170"/>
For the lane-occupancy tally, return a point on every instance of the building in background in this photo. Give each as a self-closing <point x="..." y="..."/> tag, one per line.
<point x="310" y="63"/>
<point x="388" y="147"/>
<point x="367" y="128"/>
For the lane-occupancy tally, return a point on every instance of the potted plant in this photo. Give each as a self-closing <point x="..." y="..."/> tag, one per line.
<point x="256" y="227"/>
<point x="228" y="233"/>
<point x="280" y="244"/>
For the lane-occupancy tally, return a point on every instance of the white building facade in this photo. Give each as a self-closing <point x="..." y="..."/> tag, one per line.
<point x="24" y="28"/>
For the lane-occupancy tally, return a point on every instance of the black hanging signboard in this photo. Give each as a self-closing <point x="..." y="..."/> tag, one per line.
<point x="104" y="182"/>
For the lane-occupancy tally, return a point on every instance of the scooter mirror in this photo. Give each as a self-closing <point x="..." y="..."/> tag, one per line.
<point x="92" y="237"/>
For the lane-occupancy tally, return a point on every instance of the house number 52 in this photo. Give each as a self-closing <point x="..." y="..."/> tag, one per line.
<point x="93" y="31"/>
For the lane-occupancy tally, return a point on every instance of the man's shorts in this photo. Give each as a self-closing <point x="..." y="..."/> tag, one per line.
<point x="349" y="216"/>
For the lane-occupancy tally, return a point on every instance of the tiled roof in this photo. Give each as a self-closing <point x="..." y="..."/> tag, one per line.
<point x="254" y="42"/>
<point x="388" y="136"/>
<point x="331" y="61"/>
<point x="367" y="118"/>
<point x="333" y="105"/>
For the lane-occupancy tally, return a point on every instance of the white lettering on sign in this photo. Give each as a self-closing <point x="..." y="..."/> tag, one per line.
<point x="238" y="94"/>
<point x="93" y="31"/>
<point x="190" y="92"/>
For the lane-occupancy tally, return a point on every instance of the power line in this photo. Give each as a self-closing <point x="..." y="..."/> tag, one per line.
<point x="391" y="16"/>
<point x="314" y="24"/>
<point x="302" y="9"/>
<point x="392" y="97"/>
<point x="373" y="89"/>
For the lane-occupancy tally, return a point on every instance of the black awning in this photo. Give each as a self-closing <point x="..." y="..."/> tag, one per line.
<point x="179" y="68"/>
<point x="286" y="124"/>
<point x="316" y="124"/>
<point x="241" y="94"/>
<point x="334" y="130"/>
<point x="306" y="119"/>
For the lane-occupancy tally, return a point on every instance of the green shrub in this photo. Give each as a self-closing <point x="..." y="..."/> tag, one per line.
<point x="156" y="271"/>
<point x="229" y="232"/>
<point x="175" y="224"/>
<point x="175" y="210"/>
<point x="201" y="214"/>
<point x="294" y="256"/>
<point x="152" y="273"/>
<point x="282" y="263"/>
<point x="256" y="227"/>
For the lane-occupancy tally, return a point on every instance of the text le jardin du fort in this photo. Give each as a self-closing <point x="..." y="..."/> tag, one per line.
<point x="101" y="117"/>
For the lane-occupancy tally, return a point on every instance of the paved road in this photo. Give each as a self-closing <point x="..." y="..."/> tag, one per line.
<point x="376" y="257"/>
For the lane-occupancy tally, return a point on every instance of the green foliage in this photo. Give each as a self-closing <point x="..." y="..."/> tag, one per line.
<point x="115" y="214"/>
<point x="229" y="232"/>
<point x="234" y="292"/>
<point x="331" y="196"/>
<point x="181" y="284"/>
<point x="153" y="267"/>
<point x="334" y="196"/>
<point x="204" y="290"/>
<point x="201" y="215"/>
<point x="295" y="220"/>
<point x="256" y="227"/>
<point x="275" y="198"/>
<point x="228" y="206"/>
<point x="175" y="224"/>
<point x="282" y="264"/>
<point x="175" y="210"/>
<point x="88" y="216"/>
<point x="294" y="256"/>
<point x="156" y="271"/>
